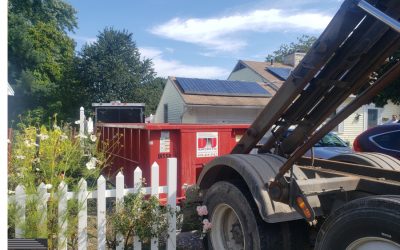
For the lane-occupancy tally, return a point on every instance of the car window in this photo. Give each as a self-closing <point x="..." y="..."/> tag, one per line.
<point x="390" y="140"/>
<point x="330" y="140"/>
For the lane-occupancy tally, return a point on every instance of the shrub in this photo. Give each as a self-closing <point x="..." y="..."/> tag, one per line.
<point x="50" y="156"/>
<point x="139" y="216"/>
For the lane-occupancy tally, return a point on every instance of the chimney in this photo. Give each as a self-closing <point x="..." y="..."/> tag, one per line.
<point x="294" y="58"/>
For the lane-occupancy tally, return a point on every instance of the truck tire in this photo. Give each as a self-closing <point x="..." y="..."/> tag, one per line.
<point x="236" y="223"/>
<point x="368" y="223"/>
<point x="377" y="160"/>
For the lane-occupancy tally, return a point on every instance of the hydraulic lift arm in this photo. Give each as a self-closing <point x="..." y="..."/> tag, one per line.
<point x="358" y="40"/>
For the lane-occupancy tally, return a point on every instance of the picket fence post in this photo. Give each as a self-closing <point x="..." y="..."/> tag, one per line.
<point x="171" y="182"/>
<point x="81" y="121"/>
<point x="42" y="206"/>
<point x="155" y="179"/>
<point x="62" y="215"/>
<point x="137" y="184"/>
<point x="82" y="215"/>
<point x="119" y="198"/>
<point x="100" y="195"/>
<point x="101" y="213"/>
<point x="20" y="202"/>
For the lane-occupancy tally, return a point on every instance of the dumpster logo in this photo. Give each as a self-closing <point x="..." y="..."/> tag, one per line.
<point x="207" y="144"/>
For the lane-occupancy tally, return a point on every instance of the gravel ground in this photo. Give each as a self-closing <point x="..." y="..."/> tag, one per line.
<point x="189" y="240"/>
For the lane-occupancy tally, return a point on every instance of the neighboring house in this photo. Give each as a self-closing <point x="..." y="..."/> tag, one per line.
<point x="274" y="75"/>
<point x="364" y="118"/>
<point x="192" y="100"/>
<point x="10" y="90"/>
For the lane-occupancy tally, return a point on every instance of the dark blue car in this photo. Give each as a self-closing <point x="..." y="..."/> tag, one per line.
<point x="384" y="139"/>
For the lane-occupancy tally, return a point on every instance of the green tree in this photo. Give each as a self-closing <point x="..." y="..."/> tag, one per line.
<point x="150" y="94"/>
<point x="40" y="54"/>
<point x="303" y="44"/>
<point x="391" y="92"/>
<point x="111" y="68"/>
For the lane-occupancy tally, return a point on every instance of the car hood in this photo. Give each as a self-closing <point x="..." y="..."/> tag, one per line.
<point x="329" y="152"/>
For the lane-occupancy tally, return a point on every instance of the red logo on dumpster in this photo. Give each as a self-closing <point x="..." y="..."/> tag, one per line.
<point x="207" y="144"/>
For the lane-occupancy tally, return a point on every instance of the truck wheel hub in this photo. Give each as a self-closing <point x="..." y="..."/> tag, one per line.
<point x="371" y="243"/>
<point x="227" y="231"/>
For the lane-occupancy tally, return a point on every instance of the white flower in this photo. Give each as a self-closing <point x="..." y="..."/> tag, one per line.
<point x="63" y="137"/>
<point x="28" y="143"/>
<point x="8" y="141"/>
<point x="43" y="137"/>
<point x="202" y="210"/>
<point x="37" y="169"/>
<point x="93" y="138"/>
<point x="49" y="186"/>
<point x="20" y="157"/>
<point x="81" y="136"/>
<point x="11" y="192"/>
<point x="56" y="127"/>
<point x="91" y="164"/>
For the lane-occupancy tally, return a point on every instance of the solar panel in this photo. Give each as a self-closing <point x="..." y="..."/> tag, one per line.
<point x="194" y="86"/>
<point x="282" y="73"/>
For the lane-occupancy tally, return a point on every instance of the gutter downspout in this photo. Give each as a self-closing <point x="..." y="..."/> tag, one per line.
<point x="185" y="109"/>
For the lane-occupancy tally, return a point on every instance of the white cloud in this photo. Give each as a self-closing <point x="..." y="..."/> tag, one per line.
<point x="222" y="33"/>
<point x="149" y="52"/>
<point x="165" y="67"/>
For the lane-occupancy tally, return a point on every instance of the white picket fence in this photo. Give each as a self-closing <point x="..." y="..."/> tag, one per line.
<point x="101" y="194"/>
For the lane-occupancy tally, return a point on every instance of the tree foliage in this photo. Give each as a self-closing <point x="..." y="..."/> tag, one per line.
<point x="150" y="94"/>
<point x="111" y="68"/>
<point x="40" y="55"/>
<point x="391" y="92"/>
<point x="303" y="44"/>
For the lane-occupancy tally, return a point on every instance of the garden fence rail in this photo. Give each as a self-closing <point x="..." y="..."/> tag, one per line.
<point x="101" y="194"/>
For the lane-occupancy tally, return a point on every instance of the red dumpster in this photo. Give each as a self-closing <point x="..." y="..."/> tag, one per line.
<point x="132" y="145"/>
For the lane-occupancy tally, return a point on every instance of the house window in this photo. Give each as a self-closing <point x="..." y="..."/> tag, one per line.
<point x="372" y="118"/>
<point x="166" y="113"/>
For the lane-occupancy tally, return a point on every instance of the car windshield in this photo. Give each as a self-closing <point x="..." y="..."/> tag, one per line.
<point x="330" y="140"/>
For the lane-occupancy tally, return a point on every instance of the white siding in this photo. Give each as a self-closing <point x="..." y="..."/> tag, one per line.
<point x="356" y="123"/>
<point x="175" y="105"/>
<point x="352" y="125"/>
<point x="246" y="74"/>
<point x="221" y="114"/>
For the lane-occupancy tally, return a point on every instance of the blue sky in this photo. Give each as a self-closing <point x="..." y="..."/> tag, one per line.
<point x="203" y="39"/>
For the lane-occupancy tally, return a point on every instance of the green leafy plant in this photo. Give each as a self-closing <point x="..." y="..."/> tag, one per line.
<point x="49" y="156"/>
<point x="137" y="215"/>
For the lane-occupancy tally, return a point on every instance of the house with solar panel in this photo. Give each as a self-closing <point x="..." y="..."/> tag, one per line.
<point x="192" y="100"/>
<point x="274" y="75"/>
